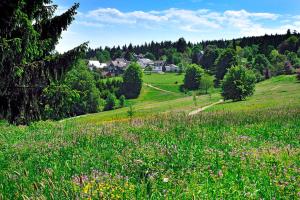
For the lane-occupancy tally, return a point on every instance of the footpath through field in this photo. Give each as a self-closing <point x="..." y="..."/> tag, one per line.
<point x="156" y="88"/>
<point x="204" y="108"/>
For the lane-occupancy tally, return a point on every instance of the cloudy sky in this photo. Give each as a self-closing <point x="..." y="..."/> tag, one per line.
<point x="119" y="22"/>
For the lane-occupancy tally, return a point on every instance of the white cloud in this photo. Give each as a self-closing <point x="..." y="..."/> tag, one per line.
<point x="140" y="26"/>
<point x="187" y="20"/>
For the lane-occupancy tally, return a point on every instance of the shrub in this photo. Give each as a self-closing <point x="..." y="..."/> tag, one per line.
<point x="110" y="102"/>
<point x="60" y="101"/>
<point x="238" y="83"/>
<point x="193" y="76"/>
<point x="288" y="68"/>
<point x="206" y="83"/>
<point x="122" y="101"/>
<point x="225" y="60"/>
<point x="132" y="81"/>
<point x="298" y="74"/>
<point x="81" y="79"/>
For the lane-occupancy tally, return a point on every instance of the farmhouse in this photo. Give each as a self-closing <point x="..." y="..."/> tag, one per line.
<point x="117" y="67"/>
<point x="158" y="66"/>
<point x="144" y="62"/>
<point x="172" y="68"/>
<point x="92" y="64"/>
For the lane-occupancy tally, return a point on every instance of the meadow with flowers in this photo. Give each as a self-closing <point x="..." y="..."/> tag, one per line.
<point x="236" y="150"/>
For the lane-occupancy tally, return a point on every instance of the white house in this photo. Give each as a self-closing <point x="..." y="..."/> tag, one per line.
<point x="118" y="66"/>
<point x="172" y="68"/>
<point x="158" y="66"/>
<point x="144" y="62"/>
<point x="96" y="64"/>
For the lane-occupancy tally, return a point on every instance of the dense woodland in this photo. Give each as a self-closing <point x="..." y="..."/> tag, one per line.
<point x="38" y="83"/>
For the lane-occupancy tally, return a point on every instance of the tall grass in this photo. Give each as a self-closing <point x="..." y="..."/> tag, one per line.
<point x="222" y="154"/>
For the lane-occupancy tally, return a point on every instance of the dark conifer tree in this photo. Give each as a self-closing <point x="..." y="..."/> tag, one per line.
<point x="29" y="32"/>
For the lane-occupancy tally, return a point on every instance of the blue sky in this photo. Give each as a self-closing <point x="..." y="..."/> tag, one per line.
<point x="119" y="22"/>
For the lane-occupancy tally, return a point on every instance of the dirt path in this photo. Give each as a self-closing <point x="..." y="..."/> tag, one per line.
<point x="274" y="88"/>
<point x="204" y="108"/>
<point x="156" y="88"/>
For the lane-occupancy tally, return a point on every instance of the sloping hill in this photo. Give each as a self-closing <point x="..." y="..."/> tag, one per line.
<point x="281" y="90"/>
<point x="240" y="150"/>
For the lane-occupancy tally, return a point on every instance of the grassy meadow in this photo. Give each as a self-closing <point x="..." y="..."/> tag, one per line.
<point x="235" y="150"/>
<point x="152" y="101"/>
<point x="168" y="81"/>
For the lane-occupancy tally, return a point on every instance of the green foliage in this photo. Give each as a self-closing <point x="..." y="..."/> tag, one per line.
<point x="130" y="112"/>
<point x="132" y="81"/>
<point x="277" y="60"/>
<point x="122" y="101"/>
<point x="261" y="63"/>
<point x="150" y="56"/>
<point x="81" y="79"/>
<point x="210" y="55"/>
<point x="292" y="58"/>
<point x="193" y="74"/>
<point x="60" y="101"/>
<point x="128" y="56"/>
<point x="298" y="74"/>
<point x="225" y="60"/>
<point x="148" y="69"/>
<point x="103" y="56"/>
<point x="76" y="95"/>
<point x="181" y="45"/>
<point x="238" y="83"/>
<point x="109" y="85"/>
<point x="196" y="55"/>
<point x="195" y="98"/>
<point x="110" y="102"/>
<point x="206" y="82"/>
<point x="288" y="68"/>
<point x="174" y="58"/>
<point x="289" y="45"/>
<point x="28" y="35"/>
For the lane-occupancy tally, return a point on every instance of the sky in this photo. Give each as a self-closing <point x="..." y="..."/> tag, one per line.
<point x="119" y="22"/>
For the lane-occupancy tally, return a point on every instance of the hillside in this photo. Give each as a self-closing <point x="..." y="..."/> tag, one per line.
<point x="242" y="150"/>
<point x="153" y="101"/>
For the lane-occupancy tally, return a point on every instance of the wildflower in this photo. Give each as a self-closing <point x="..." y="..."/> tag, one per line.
<point x="220" y="173"/>
<point x="165" y="180"/>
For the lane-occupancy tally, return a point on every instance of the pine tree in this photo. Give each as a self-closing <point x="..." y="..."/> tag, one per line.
<point x="29" y="32"/>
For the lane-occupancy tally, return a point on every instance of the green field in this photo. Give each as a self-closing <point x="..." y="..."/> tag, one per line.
<point x="152" y="101"/>
<point x="235" y="150"/>
<point x="167" y="81"/>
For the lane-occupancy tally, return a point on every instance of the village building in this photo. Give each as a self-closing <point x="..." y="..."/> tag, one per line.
<point x="158" y="66"/>
<point x="145" y="62"/>
<point x="95" y="64"/>
<point x="172" y="68"/>
<point x="117" y="67"/>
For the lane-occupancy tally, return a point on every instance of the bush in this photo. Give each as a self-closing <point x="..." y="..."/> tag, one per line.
<point x="76" y="95"/>
<point x="132" y="81"/>
<point x="298" y="74"/>
<point x="225" y="60"/>
<point x="193" y="76"/>
<point x="81" y="79"/>
<point x="238" y="83"/>
<point x="122" y="101"/>
<point x="288" y="68"/>
<point x="206" y="83"/>
<point x="110" y="102"/>
<point x="60" y="101"/>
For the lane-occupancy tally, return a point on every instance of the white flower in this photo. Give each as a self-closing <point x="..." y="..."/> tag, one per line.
<point x="165" y="180"/>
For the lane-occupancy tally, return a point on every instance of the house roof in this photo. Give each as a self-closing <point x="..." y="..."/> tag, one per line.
<point x="120" y="62"/>
<point x="145" y="61"/>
